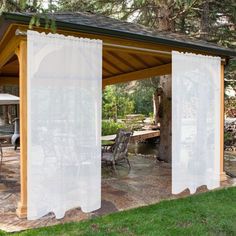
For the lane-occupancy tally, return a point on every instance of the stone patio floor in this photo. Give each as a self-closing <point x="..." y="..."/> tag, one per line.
<point x="148" y="182"/>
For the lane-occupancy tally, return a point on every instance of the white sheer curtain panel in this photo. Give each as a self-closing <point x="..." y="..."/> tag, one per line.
<point x="196" y="121"/>
<point x="64" y="124"/>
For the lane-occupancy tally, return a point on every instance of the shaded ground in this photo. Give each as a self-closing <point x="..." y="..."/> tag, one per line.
<point x="211" y="213"/>
<point x="147" y="182"/>
<point x="230" y="163"/>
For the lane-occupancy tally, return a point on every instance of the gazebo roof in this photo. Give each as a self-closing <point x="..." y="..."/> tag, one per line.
<point x="98" y="24"/>
<point x="130" y="51"/>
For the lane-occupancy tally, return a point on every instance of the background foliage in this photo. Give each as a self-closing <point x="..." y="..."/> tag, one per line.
<point x="111" y="127"/>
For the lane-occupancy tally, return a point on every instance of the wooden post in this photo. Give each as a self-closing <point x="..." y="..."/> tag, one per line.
<point x="22" y="57"/>
<point x="222" y="173"/>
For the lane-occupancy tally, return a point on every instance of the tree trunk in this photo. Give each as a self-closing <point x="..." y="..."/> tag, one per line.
<point x="165" y="150"/>
<point x="156" y="107"/>
<point x="164" y="14"/>
<point x="204" y="23"/>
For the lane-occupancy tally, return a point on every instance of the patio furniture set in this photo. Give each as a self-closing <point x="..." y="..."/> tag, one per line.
<point x="113" y="151"/>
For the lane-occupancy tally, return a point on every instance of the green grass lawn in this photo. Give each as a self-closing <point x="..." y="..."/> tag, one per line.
<point x="212" y="213"/>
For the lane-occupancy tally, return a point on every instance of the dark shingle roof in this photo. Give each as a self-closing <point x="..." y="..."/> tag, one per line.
<point x="97" y="23"/>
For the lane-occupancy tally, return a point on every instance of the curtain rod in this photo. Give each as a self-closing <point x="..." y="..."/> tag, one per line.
<point x="24" y="33"/>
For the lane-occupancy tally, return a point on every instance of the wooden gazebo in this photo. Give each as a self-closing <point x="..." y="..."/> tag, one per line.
<point x="130" y="52"/>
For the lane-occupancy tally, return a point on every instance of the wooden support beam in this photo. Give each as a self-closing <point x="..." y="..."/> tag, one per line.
<point x="9" y="80"/>
<point x="118" y="49"/>
<point x="8" y="52"/>
<point x="22" y="57"/>
<point x="12" y="61"/>
<point x="137" y="75"/>
<point x="222" y="102"/>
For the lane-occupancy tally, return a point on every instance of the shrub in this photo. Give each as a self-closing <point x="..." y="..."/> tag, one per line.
<point x="110" y="127"/>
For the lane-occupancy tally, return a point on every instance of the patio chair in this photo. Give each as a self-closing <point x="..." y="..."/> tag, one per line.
<point x="111" y="148"/>
<point x="120" y="150"/>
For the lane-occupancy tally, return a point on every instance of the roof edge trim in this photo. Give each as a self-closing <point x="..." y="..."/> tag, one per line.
<point x="18" y="18"/>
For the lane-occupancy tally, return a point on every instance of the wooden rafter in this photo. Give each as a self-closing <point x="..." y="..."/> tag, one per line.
<point x="140" y="59"/>
<point x="139" y="74"/>
<point x="111" y="66"/>
<point x="159" y="60"/>
<point x="136" y="65"/>
<point x="115" y="60"/>
<point x="106" y="70"/>
<point x="123" y="60"/>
